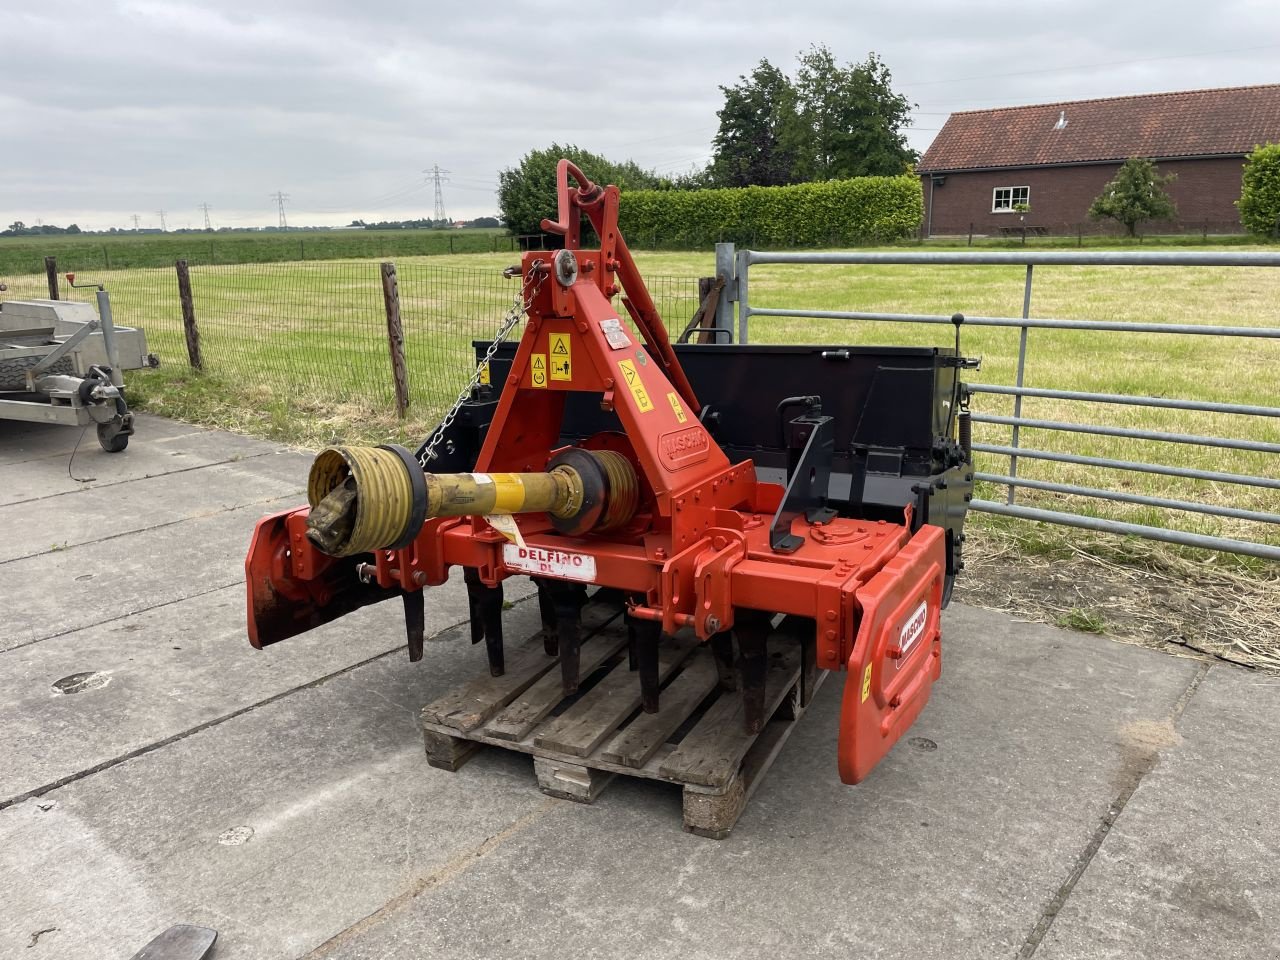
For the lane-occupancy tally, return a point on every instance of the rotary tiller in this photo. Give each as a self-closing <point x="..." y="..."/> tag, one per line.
<point x="825" y="484"/>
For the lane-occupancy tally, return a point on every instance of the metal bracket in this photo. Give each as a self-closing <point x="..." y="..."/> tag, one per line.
<point x="808" y="482"/>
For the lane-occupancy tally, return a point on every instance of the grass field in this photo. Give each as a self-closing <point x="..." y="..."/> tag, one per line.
<point x="298" y="352"/>
<point x="82" y="254"/>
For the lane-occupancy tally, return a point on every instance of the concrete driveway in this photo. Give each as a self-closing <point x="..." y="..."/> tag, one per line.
<point x="1063" y="795"/>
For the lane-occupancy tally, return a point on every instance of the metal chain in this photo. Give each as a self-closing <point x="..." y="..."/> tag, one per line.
<point x="513" y="317"/>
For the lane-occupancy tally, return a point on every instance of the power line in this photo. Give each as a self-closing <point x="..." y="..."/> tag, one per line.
<point x="160" y="214"/>
<point x="205" y="208"/>
<point x="438" y="177"/>
<point x="280" y="198"/>
<point x="135" y="218"/>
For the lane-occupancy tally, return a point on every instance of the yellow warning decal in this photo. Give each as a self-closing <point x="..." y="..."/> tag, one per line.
<point x="632" y="380"/>
<point x="561" y="354"/>
<point x="674" y="399"/>
<point x="538" y="369"/>
<point x="866" y="683"/>
<point x="484" y="374"/>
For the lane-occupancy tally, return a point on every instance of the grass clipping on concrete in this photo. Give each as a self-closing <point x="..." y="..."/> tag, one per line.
<point x="1179" y="600"/>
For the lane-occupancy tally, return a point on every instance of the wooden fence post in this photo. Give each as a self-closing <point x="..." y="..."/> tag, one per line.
<point x="395" y="336"/>
<point x="51" y="274"/>
<point x="194" y="356"/>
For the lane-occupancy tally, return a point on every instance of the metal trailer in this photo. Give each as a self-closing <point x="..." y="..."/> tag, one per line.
<point x="62" y="361"/>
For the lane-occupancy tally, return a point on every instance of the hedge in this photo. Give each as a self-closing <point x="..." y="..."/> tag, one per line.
<point x="861" y="210"/>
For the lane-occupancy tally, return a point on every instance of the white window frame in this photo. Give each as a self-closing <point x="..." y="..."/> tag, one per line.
<point x="1013" y="198"/>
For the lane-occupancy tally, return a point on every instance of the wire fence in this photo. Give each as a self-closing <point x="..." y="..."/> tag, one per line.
<point x="318" y="332"/>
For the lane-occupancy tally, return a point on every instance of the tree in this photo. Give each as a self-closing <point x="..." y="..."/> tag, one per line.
<point x="754" y="144"/>
<point x="527" y="193"/>
<point x="831" y="122"/>
<point x="1135" y="195"/>
<point x="1259" y="201"/>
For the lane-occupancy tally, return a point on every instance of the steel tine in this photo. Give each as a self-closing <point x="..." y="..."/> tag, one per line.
<point x="491" y="614"/>
<point x="569" y="633"/>
<point x="547" y="611"/>
<point x="722" y="648"/>
<point x="471" y="577"/>
<point x="751" y="628"/>
<point x="415" y="622"/>
<point x="647" y="634"/>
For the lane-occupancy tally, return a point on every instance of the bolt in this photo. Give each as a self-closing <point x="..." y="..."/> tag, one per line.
<point x="830" y="635"/>
<point x="659" y="554"/>
<point x="582" y="328"/>
<point x="831" y="655"/>
<point x="713" y="624"/>
<point x="831" y="614"/>
<point x="419" y="578"/>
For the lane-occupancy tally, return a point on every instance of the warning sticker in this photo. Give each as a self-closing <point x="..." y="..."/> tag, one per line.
<point x="561" y="354"/>
<point x="614" y="334"/>
<point x="484" y="374"/>
<point x="505" y="524"/>
<point x="673" y="398"/>
<point x="866" y="683"/>
<point x="538" y="369"/>
<point x="632" y="380"/>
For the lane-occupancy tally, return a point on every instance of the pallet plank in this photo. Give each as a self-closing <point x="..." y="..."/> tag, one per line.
<point x="522" y="714"/>
<point x="643" y="736"/>
<point x="711" y="752"/>
<point x="470" y="706"/>
<point x="585" y="725"/>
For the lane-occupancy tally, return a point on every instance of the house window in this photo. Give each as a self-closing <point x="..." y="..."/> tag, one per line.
<point x="1004" y="199"/>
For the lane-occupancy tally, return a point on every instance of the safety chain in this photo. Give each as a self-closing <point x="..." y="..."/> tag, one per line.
<point x="518" y="309"/>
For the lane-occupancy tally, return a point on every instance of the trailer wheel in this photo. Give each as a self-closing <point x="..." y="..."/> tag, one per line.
<point x="110" y="437"/>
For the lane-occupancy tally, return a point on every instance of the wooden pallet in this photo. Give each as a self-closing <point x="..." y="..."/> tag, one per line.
<point x="696" y="740"/>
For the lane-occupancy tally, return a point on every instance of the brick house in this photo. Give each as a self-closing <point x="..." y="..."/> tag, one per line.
<point x="1056" y="157"/>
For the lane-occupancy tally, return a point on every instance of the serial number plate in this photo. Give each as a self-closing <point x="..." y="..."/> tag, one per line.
<point x="542" y="562"/>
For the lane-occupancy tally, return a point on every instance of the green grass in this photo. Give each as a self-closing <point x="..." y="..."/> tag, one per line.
<point x="298" y="352"/>
<point x="83" y="254"/>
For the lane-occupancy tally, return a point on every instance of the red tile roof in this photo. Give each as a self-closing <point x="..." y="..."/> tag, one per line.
<point x="1230" y="121"/>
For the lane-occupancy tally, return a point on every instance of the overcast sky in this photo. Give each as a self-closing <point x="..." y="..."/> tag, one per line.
<point x="111" y="109"/>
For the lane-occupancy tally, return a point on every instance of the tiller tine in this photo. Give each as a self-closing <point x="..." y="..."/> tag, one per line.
<point x="751" y="628"/>
<point x="415" y="622"/>
<point x="547" y="611"/>
<point x="642" y="638"/>
<point x="568" y="609"/>
<point x="722" y="648"/>
<point x="485" y="604"/>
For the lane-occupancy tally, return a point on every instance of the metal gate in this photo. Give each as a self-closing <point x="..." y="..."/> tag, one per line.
<point x="735" y="267"/>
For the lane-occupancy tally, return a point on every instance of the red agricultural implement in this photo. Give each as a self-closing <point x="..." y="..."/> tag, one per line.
<point x="710" y="488"/>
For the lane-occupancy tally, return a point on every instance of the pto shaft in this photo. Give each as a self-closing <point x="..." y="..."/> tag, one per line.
<point x="376" y="498"/>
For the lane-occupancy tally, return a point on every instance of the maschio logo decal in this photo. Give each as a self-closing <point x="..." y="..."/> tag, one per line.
<point x="913" y="630"/>
<point x="679" y="448"/>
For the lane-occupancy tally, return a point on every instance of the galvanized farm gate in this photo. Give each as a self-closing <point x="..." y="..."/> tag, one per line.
<point x="735" y="268"/>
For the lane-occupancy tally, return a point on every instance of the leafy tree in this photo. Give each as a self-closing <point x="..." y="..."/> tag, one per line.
<point x="1259" y="201"/>
<point x="527" y="193"/>
<point x="485" y="222"/>
<point x="1136" y="194"/>
<point x="830" y="122"/>
<point x="757" y="135"/>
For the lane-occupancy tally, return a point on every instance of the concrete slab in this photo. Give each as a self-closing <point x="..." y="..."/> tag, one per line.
<point x="1191" y="868"/>
<point x="65" y="590"/>
<point x="951" y="849"/>
<point x="96" y="514"/>
<point x="280" y="827"/>
<point x="283" y="797"/>
<point x="36" y="461"/>
<point x="168" y="670"/>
